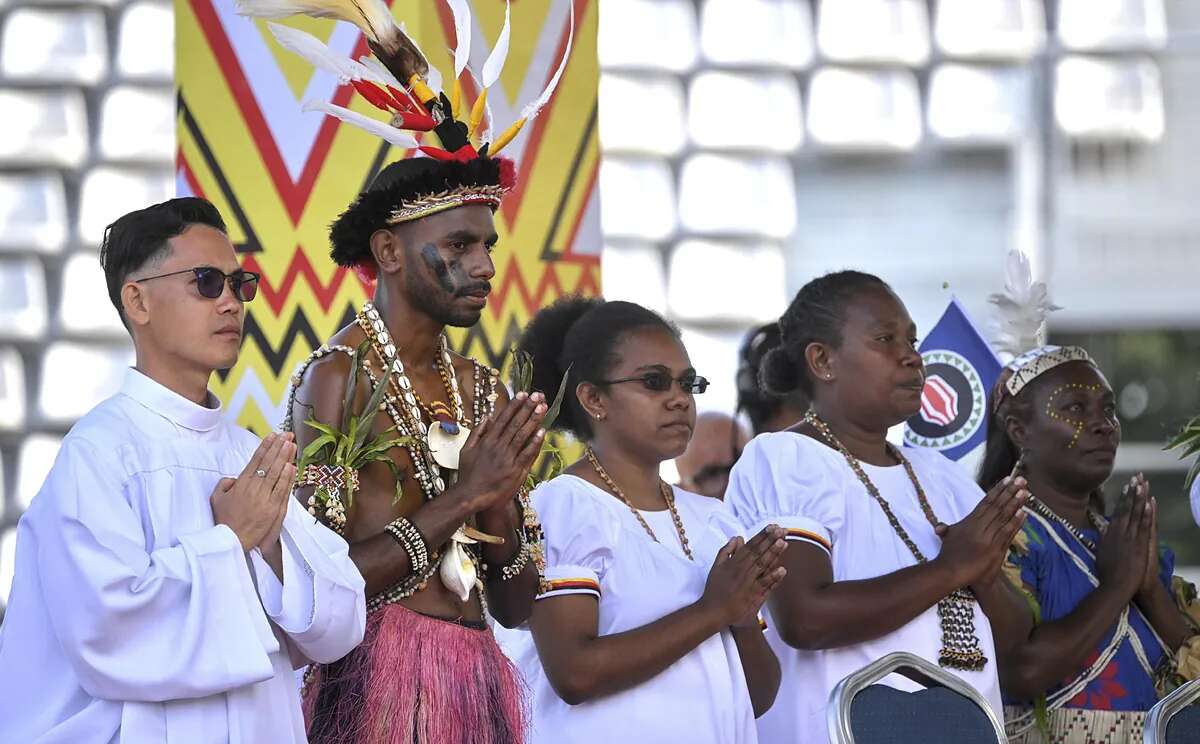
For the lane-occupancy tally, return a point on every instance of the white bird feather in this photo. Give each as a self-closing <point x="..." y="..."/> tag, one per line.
<point x="378" y="128"/>
<point x="462" y="34"/>
<point x="495" y="61"/>
<point x="534" y="107"/>
<point x="1021" y="310"/>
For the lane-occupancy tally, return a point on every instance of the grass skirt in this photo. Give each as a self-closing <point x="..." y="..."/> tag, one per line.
<point x="417" y="680"/>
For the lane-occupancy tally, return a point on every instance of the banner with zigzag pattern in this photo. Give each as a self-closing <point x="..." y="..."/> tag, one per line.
<point x="280" y="176"/>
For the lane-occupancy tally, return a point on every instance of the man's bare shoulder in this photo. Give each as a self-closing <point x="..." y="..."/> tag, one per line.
<point x="329" y="367"/>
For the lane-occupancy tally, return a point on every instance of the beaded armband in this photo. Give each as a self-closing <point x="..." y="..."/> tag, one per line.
<point x="530" y="537"/>
<point x="330" y="464"/>
<point x="328" y="482"/>
<point x="410" y="538"/>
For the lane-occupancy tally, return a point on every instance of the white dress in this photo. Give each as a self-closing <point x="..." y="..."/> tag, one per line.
<point x="595" y="546"/>
<point x="807" y="488"/>
<point x="134" y="619"/>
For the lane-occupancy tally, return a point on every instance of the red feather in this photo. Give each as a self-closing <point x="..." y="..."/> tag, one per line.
<point x="375" y="95"/>
<point x="366" y="271"/>
<point x="508" y="173"/>
<point x="437" y="153"/>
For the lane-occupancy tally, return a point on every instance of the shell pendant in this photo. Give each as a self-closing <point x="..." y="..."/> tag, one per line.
<point x="458" y="570"/>
<point x="444" y="445"/>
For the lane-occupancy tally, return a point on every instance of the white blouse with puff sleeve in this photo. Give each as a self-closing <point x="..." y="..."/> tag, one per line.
<point x="595" y="546"/>
<point x="809" y="489"/>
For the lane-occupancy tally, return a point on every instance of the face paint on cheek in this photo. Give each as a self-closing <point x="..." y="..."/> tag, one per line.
<point x="1077" y="424"/>
<point x="433" y="259"/>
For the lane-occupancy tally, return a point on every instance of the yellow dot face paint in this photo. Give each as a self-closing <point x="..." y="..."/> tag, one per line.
<point x="1077" y="424"/>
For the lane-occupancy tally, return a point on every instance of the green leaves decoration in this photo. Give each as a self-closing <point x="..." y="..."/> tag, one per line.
<point x="522" y="381"/>
<point x="352" y="447"/>
<point x="1188" y="439"/>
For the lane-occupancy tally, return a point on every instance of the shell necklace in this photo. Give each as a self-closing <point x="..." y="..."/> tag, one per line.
<point x="667" y="494"/>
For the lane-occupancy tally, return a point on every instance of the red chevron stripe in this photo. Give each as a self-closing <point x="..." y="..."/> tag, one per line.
<point x="548" y="287"/>
<point x="182" y="164"/>
<point x="300" y="266"/>
<point x="293" y="194"/>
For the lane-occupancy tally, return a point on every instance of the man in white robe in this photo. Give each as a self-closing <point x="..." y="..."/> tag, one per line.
<point x="166" y="584"/>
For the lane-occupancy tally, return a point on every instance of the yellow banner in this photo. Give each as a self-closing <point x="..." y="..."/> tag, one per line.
<point x="280" y="176"/>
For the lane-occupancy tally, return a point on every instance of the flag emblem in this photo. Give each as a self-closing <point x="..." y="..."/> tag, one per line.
<point x="960" y="369"/>
<point x="952" y="403"/>
<point x="939" y="401"/>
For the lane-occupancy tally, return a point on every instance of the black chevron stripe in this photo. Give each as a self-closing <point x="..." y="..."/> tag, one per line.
<point x="496" y="355"/>
<point x="252" y="243"/>
<point x="299" y="328"/>
<point x="549" y="253"/>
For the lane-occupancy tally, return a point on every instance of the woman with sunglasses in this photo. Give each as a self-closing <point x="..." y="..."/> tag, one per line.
<point x="646" y="627"/>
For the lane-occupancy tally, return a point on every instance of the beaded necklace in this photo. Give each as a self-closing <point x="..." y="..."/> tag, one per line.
<point x="1097" y="521"/>
<point x="667" y="494"/>
<point x="405" y="409"/>
<point x="960" y="644"/>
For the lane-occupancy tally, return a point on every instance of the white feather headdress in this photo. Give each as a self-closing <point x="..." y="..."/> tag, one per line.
<point x="1021" y="310"/>
<point x="402" y="84"/>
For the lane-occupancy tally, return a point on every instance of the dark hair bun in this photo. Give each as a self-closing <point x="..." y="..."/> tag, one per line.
<point x="580" y="334"/>
<point x="779" y="374"/>
<point x="816" y="315"/>
<point x="544" y="338"/>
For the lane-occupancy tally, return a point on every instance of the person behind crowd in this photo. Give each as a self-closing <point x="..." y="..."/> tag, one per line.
<point x="766" y="410"/>
<point x="646" y="628"/>
<point x="888" y="549"/>
<point x="1113" y="631"/>
<point x="166" y="582"/>
<point x="716" y="443"/>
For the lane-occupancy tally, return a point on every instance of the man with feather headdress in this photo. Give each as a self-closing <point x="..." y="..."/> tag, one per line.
<point x="417" y="455"/>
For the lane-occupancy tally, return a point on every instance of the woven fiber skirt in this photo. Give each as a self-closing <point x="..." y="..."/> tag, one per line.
<point x="1080" y="726"/>
<point x="417" y="680"/>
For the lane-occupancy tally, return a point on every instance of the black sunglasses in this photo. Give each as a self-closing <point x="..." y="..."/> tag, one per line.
<point x="210" y="282"/>
<point x="661" y="381"/>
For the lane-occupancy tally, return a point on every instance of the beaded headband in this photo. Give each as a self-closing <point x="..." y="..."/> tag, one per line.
<point x="415" y="209"/>
<point x="1033" y="364"/>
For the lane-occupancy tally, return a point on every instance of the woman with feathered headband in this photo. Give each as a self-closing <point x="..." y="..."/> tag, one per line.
<point x="415" y="454"/>
<point x="1113" y="630"/>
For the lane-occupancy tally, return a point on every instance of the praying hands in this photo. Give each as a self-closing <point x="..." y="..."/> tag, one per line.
<point x="254" y="504"/>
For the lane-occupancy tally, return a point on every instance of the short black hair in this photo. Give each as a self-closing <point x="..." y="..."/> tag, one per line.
<point x="816" y="315"/>
<point x="400" y="182"/>
<point x="580" y="334"/>
<point x="138" y="237"/>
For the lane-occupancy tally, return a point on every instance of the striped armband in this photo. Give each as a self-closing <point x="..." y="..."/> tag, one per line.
<point x="801" y="535"/>
<point x="801" y="529"/>
<point x="561" y="581"/>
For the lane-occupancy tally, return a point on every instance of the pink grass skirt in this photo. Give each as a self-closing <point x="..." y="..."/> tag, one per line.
<point x="417" y="680"/>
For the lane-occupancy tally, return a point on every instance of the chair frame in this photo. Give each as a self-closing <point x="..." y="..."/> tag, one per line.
<point x="1155" y="731"/>
<point x="919" y="670"/>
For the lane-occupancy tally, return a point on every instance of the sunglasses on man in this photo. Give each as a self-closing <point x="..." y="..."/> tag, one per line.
<point x="661" y="382"/>
<point x="210" y="282"/>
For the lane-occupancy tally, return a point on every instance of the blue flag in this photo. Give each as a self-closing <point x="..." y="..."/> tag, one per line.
<point x="960" y="371"/>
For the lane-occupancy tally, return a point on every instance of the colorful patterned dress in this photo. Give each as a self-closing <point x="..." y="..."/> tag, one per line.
<point x="1130" y="669"/>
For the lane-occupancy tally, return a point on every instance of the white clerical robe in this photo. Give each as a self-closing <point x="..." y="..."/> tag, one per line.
<point x="133" y="618"/>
